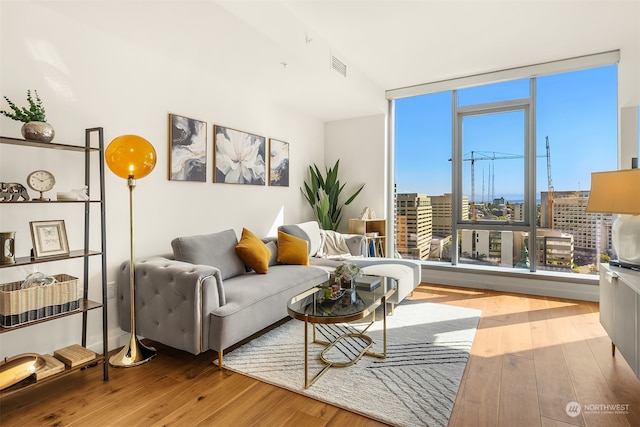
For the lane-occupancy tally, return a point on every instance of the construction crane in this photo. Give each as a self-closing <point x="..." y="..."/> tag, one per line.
<point x="549" y="186"/>
<point x="481" y="155"/>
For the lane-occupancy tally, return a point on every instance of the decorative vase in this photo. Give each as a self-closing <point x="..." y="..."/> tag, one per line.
<point x="38" y="131"/>
<point x="7" y="247"/>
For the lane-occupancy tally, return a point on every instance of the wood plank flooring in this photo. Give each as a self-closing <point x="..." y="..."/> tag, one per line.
<point x="531" y="356"/>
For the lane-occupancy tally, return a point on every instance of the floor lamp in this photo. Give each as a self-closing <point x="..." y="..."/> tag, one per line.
<point x="131" y="157"/>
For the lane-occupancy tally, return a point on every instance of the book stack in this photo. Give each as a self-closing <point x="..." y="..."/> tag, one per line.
<point x="368" y="283"/>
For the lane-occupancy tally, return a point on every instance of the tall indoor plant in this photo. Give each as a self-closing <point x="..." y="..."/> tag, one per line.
<point x="35" y="126"/>
<point x="323" y="195"/>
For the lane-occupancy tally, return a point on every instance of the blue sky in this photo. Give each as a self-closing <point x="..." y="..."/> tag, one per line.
<point x="576" y="110"/>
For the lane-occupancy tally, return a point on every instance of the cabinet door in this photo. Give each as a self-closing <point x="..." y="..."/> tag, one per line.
<point x="608" y="284"/>
<point x="625" y="324"/>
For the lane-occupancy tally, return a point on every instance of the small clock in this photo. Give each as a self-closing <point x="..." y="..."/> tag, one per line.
<point x="41" y="181"/>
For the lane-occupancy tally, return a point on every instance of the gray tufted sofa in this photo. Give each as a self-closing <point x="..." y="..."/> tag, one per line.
<point x="203" y="297"/>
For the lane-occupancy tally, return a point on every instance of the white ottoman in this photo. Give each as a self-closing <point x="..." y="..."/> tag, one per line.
<point x="402" y="273"/>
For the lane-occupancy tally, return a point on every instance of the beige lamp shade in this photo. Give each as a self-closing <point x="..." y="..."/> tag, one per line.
<point x="618" y="192"/>
<point x="615" y="192"/>
<point x="130" y="156"/>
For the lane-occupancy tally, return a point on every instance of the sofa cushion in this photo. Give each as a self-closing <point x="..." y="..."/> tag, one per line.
<point x="216" y="250"/>
<point x="309" y="231"/>
<point x="273" y="248"/>
<point x="253" y="252"/>
<point x="292" y="250"/>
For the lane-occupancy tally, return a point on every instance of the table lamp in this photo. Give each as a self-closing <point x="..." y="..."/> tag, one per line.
<point x="618" y="192"/>
<point x="131" y="157"/>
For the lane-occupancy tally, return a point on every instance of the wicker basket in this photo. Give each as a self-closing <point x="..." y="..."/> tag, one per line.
<point x="19" y="306"/>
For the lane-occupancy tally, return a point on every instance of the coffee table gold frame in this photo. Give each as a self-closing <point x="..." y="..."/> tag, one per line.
<point x="334" y="319"/>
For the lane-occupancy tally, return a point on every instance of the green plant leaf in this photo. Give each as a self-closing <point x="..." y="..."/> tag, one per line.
<point x="350" y="199"/>
<point x="323" y="195"/>
<point x="34" y="113"/>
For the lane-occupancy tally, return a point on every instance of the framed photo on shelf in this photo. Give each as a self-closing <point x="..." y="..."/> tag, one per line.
<point x="278" y="163"/>
<point x="187" y="149"/>
<point x="49" y="238"/>
<point x="239" y="157"/>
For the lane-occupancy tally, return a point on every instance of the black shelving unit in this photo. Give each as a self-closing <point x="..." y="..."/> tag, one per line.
<point x="86" y="305"/>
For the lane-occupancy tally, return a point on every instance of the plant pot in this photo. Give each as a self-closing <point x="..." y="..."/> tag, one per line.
<point x="38" y="131"/>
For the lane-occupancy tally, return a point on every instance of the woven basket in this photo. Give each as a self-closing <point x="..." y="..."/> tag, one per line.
<point x="19" y="306"/>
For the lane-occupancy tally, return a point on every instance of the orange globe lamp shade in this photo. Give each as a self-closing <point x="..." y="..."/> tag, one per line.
<point x="130" y="156"/>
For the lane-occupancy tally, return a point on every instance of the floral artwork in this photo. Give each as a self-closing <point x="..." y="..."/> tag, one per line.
<point x="278" y="163"/>
<point x="187" y="149"/>
<point x="239" y="157"/>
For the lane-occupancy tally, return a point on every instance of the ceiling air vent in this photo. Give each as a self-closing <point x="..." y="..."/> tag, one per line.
<point x="339" y="66"/>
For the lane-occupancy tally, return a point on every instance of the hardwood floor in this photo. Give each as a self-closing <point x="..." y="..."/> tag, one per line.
<point x="531" y="356"/>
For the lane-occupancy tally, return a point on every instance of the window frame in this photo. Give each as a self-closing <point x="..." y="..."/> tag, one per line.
<point x="531" y="72"/>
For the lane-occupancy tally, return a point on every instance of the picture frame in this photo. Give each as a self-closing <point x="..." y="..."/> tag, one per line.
<point x="239" y="157"/>
<point x="278" y="163"/>
<point x="187" y="149"/>
<point x="49" y="238"/>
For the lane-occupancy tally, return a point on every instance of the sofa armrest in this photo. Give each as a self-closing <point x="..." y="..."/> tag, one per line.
<point x="173" y="301"/>
<point x="357" y="244"/>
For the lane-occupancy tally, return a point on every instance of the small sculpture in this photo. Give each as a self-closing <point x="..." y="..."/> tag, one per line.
<point x="368" y="213"/>
<point x="75" y="194"/>
<point x="12" y="191"/>
<point x="81" y="193"/>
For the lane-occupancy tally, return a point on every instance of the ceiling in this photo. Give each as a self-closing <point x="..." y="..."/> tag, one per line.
<point x="394" y="44"/>
<point x="281" y="50"/>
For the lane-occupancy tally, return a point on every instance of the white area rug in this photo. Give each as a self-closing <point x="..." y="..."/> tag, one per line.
<point x="416" y="385"/>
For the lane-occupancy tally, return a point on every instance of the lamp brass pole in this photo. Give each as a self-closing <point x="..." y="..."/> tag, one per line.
<point x="131" y="157"/>
<point x="134" y="353"/>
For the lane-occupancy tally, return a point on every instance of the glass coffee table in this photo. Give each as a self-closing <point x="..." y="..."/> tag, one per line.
<point x="316" y="306"/>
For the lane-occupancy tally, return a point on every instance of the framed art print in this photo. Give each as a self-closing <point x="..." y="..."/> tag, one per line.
<point x="49" y="238"/>
<point x="278" y="163"/>
<point x="187" y="149"/>
<point x="239" y="157"/>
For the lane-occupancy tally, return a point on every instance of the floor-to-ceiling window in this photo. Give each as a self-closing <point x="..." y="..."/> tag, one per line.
<point x="501" y="171"/>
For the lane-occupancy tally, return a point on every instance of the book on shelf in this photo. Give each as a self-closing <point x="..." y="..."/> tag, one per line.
<point x="51" y="366"/>
<point x="74" y="355"/>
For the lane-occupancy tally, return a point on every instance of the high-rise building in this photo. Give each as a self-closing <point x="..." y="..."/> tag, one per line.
<point x="555" y="250"/>
<point x="442" y="211"/>
<point x="518" y="212"/>
<point x="591" y="231"/>
<point x="413" y="225"/>
<point x="496" y="246"/>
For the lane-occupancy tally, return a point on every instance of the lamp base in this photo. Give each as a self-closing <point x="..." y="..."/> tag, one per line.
<point x="134" y="353"/>
<point x="624" y="264"/>
<point x="625" y="236"/>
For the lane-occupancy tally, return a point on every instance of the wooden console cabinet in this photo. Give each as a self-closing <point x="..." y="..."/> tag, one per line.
<point x="620" y="311"/>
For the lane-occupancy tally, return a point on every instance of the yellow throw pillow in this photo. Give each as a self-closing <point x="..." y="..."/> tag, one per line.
<point x="292" y="250"/>
<point x="253" y="252"/>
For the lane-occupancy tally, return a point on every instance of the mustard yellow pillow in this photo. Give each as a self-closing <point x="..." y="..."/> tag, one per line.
<point x="253" y="252"/>
<point x="292" y="250"/>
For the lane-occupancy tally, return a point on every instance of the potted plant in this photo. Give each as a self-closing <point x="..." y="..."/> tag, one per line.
<point x="346" y="273"/>
<point x="323" y="195"/>
<point x="35" y="126"/>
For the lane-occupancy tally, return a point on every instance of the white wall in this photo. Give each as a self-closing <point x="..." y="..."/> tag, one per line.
<point x="88" y="77"/>
<point x="360" y="144"/>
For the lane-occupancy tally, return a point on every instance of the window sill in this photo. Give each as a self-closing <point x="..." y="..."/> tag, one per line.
<point x="544" y="283"/>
